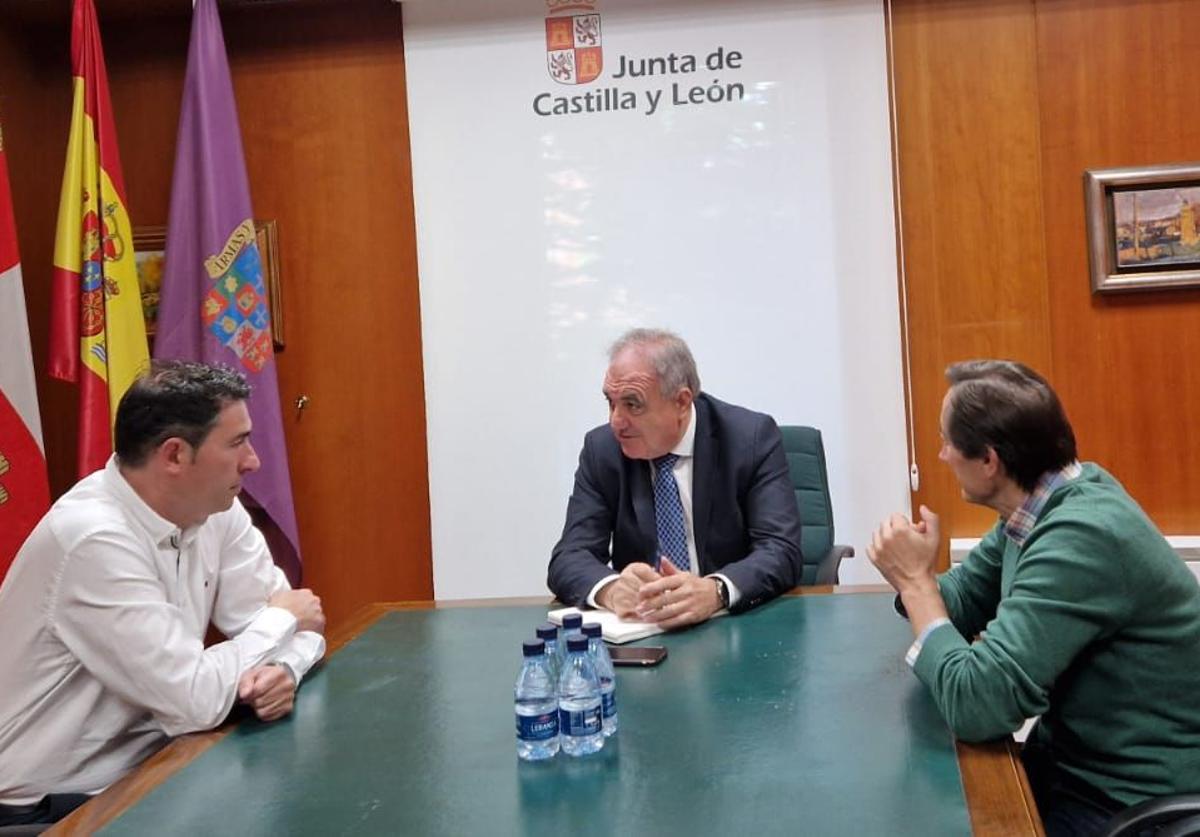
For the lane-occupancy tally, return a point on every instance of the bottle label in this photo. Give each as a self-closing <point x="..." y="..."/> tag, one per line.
<point x="609" y="703"/>
<point x="537" y="727"/>
<point x="584" y="722"/>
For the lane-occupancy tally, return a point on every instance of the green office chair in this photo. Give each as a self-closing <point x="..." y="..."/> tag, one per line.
<point x="806" y="462"/>
<point x="1166" y="816"/>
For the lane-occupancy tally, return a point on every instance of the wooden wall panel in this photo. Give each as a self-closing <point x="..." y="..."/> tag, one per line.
<point x="967" y="141"/>
<point x="1118" y="88"/>
<point x="321" y="99"/>
<point x="1001" y="106"/>
<point x="325" y="125"/>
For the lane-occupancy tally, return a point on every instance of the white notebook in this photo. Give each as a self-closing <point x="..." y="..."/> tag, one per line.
<point x="614" y="629"/>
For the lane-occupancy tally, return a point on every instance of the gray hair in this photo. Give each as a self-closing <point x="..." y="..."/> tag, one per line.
<point x="666" y="351"/>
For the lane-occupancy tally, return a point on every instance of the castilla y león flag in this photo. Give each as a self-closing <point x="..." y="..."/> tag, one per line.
<point x="213" y="304"/>
<point x="24" y="491"/>
<point x="97" y="331"/>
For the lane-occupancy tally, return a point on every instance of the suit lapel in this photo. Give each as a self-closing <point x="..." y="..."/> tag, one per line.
<point x="637" y="471"/>
<point x="704" y="463"/>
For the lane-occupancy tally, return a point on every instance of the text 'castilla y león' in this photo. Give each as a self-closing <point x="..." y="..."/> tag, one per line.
<point x="648" y="102"/>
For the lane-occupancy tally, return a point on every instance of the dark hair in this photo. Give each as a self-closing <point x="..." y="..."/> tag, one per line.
<point x="1010" y="408"/>
<point x="176" y="398"/>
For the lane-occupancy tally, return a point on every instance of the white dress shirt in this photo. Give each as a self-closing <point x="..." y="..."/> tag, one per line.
<point x="682" y="469"/>
<point x="102" y="622"/>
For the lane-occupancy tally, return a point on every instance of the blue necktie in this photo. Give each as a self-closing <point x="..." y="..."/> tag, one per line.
<point x="668" y="513"/>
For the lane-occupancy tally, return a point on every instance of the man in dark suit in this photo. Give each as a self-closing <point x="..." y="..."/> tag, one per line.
<point x="687" y="496"/>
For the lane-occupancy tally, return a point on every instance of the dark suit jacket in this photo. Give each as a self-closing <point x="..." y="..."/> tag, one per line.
<point x="747" y="525"/>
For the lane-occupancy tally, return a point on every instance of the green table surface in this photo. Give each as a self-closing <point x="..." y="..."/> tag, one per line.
<point x="797" y="718"/>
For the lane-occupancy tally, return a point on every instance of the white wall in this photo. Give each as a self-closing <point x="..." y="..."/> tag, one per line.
<point x="760" y="229"/>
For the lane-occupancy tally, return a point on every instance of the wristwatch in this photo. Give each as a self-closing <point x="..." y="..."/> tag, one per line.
<point x="722" y="590"/>
<point x="288" y="669"/>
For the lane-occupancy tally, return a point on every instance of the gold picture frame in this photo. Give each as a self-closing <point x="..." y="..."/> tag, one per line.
<point x="150" y="244"/>
<point x="1143" y="226"/>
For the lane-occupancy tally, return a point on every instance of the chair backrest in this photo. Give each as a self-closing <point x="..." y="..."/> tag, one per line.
<point x="806" y="462"/>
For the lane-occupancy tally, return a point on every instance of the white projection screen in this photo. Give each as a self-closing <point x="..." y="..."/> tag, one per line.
<point x="726" y="174"/>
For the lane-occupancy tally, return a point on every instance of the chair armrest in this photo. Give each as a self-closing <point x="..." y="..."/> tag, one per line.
<point x="1187" y="827"/>
<point x="827" y="570"/>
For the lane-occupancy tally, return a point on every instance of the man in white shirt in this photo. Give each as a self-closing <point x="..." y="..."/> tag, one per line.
<point x="688" y="498"/>
<point x="104" y="611"/>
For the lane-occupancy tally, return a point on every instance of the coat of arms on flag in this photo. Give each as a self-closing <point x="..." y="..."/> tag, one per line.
<point x="235" y="307"/>
<point x="573" y="52"/>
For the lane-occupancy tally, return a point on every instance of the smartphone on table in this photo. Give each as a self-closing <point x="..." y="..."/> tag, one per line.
<point x="637" y="655"/>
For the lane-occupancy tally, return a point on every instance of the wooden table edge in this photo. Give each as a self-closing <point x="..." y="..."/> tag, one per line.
<point x="180" y="751"/>
<point x="991" y="773"/>
<point x="993" y="777"/>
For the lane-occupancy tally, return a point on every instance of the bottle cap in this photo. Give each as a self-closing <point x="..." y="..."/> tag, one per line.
<point x="572" y="621"/>
<point x="593" y="629"/>
<point x="547" y="630"/>
<point x="533" y="647"/>
<point x="577" y="643"/>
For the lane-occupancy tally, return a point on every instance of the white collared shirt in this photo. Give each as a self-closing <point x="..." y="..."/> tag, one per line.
<point x="685" y="450"/>
<point x="102" y="622"/>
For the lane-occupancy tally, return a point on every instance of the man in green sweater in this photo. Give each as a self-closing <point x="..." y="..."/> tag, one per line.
<point x="1073" y="608"/>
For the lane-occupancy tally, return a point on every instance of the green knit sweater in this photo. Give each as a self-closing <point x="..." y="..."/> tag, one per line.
<point x="1094" y="624"/>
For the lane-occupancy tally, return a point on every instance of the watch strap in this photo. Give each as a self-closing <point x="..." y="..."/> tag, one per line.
<point x="722" y="590"/>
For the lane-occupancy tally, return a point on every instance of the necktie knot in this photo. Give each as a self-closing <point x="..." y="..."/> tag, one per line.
<point x="664" y="464"/>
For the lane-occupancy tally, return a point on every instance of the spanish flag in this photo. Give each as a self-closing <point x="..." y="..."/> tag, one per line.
<point x="97" y="332"/>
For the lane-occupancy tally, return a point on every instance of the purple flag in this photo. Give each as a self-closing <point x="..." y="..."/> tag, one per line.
<point x="213" y="304"/>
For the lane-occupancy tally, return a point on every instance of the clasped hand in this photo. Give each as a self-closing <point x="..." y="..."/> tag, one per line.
<point x="672" y="598"/>
<point x="269" y="690"/>
<point x="905" y="552"/>
<point x="304" y="605"/>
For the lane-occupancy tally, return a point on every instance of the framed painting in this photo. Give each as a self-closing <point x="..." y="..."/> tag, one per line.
<point x="1143" y="226"/>
<point x="150" y="243"/>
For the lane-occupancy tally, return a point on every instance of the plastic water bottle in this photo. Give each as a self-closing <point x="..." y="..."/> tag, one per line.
<point x="548" y="633"/>
<point x="580" y="717"/>
<point x="572" y="625"/>
<point x="605" y="674"/>
<point x="536" y="701"/>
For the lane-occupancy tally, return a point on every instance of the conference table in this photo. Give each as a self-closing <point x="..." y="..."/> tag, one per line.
<point x="799" y="717"/>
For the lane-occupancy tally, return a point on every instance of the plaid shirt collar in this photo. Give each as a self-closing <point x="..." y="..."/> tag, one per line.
<point x="1020" y="523"/>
